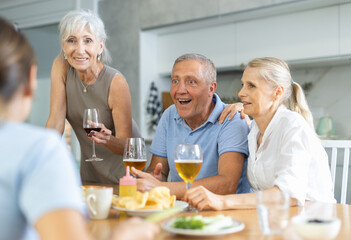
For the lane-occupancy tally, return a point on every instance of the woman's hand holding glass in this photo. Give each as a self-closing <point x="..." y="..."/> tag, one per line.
<point x="102" y="137"/>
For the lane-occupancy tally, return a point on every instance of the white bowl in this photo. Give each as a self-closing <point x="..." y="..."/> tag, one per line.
<point x="316" y="228"/>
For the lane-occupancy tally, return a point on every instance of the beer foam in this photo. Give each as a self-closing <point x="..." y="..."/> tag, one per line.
<point x="134" y="160"/>
<point x="188" y="161"/>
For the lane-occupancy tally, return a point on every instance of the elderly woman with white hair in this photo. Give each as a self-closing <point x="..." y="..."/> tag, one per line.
<point x="80" y="79"/>
<point x="285" y="152"/>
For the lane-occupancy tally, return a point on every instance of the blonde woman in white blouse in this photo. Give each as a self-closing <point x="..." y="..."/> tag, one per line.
<point x="285" y="152"/>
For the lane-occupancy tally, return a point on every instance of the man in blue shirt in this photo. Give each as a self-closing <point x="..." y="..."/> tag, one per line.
<point x="193" y="119"/>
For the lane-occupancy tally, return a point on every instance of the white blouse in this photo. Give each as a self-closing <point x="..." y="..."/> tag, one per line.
<point x="290" y="157"/>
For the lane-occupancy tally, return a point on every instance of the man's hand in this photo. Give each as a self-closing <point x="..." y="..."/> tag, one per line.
<point x="157" y="173"/>
<point x="146" y="181"/>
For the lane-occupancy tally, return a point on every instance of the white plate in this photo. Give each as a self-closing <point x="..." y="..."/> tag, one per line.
<point x="147" y="212"/>
<point x="237" y="226"/>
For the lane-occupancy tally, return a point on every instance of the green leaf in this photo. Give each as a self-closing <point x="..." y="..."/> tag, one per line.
<point x="188" y="223"/>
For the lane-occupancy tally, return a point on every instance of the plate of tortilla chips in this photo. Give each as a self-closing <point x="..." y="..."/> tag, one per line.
<point x="144" y="204"/>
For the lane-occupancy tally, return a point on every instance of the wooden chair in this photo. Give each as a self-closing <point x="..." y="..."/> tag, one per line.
<point x="336" y="145"/>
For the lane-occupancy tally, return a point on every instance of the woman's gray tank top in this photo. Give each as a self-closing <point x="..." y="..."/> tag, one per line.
<point x="111" y="169"/>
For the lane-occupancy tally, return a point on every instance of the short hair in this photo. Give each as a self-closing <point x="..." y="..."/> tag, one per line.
<point x="77" y="20"/>
<point x="209" y="69"/>
<point x="16" y="58"/>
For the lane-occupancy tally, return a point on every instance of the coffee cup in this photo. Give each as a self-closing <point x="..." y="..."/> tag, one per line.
<point x="98" y="199"/>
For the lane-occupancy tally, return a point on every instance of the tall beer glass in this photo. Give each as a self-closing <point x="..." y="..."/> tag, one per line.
<point x="134" y="153"/>
<point x="188" y="161"/>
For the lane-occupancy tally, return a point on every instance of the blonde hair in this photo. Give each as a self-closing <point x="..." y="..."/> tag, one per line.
<point x="277" y="72"/>
<point x="76" y="21"/>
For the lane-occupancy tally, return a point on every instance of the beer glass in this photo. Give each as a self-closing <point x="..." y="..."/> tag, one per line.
<point x="91" y="122"/>
<point x="134" y="153"/>
<point x="188" y="161"/>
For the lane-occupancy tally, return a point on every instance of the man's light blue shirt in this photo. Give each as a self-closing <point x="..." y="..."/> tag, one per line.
<point x="214" y="139"/>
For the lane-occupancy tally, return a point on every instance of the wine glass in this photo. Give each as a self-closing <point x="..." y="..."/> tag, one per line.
<point x="91" y="123"/>
<point x="188" y="161"/>
<point x="134" y="153"/>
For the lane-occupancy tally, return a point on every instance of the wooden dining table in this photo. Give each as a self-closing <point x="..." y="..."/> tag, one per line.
<point x="101" y="229"/>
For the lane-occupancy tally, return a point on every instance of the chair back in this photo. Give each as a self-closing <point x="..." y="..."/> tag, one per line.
<point x="335" y="146"/>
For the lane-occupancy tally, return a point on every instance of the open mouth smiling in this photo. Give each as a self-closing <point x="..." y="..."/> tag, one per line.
<point x="184" y="101"/>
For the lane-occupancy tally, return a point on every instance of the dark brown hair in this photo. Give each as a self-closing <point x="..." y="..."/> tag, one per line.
<point x="16" y="58"/>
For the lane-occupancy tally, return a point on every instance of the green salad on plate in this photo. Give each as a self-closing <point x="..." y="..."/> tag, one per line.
<point x="198" y="222"/>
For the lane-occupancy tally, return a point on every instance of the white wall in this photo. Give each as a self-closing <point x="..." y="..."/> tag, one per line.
<point x="331" y="94"/>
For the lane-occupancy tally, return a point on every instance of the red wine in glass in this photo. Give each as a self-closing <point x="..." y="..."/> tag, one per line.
<point x="88" y="130"/>
<point x="91" y="122"/>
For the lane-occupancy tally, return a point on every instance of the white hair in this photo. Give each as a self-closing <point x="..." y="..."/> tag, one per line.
<point x="77" y="21"/>
<point x="209" y="69"/>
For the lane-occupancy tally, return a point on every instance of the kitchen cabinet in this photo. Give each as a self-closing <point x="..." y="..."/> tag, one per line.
<point x="300" y="35"/>
<point x="321" y="33"/>
<point x="217" y="43"/>
<point x="33" y="13"/>
<point x="345" y="30"/>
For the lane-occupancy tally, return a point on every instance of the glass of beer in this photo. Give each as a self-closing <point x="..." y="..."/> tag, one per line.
<point x="134" y="153"/>
<point x="188" y="161"/>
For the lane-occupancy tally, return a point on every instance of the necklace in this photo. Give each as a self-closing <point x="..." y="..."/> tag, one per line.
<point x="88" y="84"/>
<point x="84" y="86"/>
